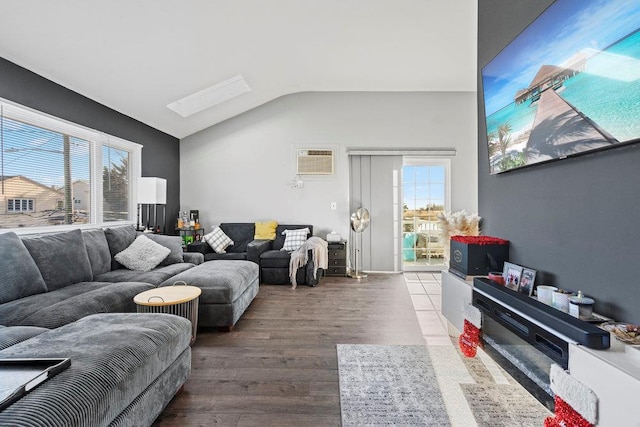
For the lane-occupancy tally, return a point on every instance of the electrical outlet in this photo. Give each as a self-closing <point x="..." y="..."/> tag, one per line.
<point x="334" y="206"/>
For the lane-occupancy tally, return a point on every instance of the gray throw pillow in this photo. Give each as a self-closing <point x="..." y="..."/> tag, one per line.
<point x="143" y="254"/>
<point x="61" y="258"/>
<point x="174" y="243"/>
<point x="119" y="239"/>
<point x="98" y="251"/>
<point x="19" y="274"/>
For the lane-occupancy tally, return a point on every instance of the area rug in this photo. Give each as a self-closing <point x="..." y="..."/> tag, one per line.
<point x="389" y="385"/>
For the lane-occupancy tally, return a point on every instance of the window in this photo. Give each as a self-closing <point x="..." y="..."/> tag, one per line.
<point x="425" y="191"/>
<point x="62" y="174"/>
<point x="115" y="183"/>
<point x="20" y="205"/>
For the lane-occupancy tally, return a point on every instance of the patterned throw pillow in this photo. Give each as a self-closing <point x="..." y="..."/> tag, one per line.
<point x="294" y="239"/>
<point x="218" y="240"/>
<point x="143" y="254"/>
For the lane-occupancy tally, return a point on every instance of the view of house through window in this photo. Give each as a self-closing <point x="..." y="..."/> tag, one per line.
<point x="48" y="169"/>
<point x="40" y="172"/>
<point x="424" y="198"/>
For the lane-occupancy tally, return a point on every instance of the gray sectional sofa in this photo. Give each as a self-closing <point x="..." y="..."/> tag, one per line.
<point x="54" y="279"/>
<point x="64" y="295"/>
<point x="125" y="368"/>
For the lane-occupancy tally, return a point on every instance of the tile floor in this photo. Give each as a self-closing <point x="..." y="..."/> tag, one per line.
<point x="426" y="294"/>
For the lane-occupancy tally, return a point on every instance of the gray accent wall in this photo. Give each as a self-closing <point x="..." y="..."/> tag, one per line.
<point x="241" y="169"/>
<point x="576" y="221"/>
<point x="160" y="155"/>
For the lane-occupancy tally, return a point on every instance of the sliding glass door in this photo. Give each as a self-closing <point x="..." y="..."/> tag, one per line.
<point x="425" y="194"/>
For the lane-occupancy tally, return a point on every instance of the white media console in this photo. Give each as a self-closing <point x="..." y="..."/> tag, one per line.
<point x="613" y="374"/>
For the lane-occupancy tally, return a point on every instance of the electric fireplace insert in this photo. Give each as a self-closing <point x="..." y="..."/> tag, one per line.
<point x="525" y="336"/>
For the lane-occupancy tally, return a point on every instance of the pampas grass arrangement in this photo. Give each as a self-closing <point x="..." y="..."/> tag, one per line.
<point x="457" y="224"/>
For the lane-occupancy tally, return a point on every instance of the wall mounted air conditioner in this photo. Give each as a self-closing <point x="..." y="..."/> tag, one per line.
<point x="314" y="162"/>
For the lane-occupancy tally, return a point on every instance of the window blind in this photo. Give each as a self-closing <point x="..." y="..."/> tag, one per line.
<point x="54" y="173"/>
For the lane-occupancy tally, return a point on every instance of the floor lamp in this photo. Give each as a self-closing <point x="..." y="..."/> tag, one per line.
<point x="152" y="192"/>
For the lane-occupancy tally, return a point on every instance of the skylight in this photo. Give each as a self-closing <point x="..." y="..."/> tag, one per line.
<point x="210" y="96"/>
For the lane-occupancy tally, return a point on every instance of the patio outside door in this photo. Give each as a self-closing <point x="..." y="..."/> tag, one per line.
<point x="425" y="194"/>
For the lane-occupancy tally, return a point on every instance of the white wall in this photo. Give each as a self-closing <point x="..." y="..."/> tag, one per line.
<point x="240" y="170"/>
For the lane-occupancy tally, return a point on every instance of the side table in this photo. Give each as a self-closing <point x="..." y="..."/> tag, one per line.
<point x="190" y="235"/>
<point x="178" y="299"/>
<point x="337" y="259"/>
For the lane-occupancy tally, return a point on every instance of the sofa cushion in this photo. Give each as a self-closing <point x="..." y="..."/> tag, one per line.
<point x="61" y="258"/>
<point x="114" y="298"/>
<point x="56" y="308"/>
<point x="294" y="239"/>
<point x="222" y="282"/>
<point x="218" y="240"/>
<point x="19" y="274"/>
<point x="155" y="276"/>
<point x="98" y="251"/>
<point x="174" y="243"/>
<point x="143" y="254"/>
<point x="12" y="335"/>
<point x="119" y="239"/>
<point x="241" y="233"/>
<point x="12" y="313"/>
<point x="279" y="242"/>
<point x="114" y="359"/>
<point x="266" y="230"/>
<point x="275" y="259"/>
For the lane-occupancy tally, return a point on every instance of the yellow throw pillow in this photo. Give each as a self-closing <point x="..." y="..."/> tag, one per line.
<point x="266" y="230"/>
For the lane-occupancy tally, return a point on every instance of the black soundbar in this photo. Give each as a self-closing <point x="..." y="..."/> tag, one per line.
<point x="486" y="293"/>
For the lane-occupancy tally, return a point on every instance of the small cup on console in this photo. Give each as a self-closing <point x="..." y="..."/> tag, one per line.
<point x="560" y="300"/>
<point x="545" y="293"/>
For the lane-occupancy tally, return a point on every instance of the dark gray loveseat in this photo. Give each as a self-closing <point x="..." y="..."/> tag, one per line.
<point x="244" y="247"/>
<point x="273" y="262"/>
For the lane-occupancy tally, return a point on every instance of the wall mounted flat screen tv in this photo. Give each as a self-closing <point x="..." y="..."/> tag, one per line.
<point x="567" y="85"/>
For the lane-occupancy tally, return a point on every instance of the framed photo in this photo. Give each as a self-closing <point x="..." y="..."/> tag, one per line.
<point x="527" y="279"/>
<point x="512" y="274"/>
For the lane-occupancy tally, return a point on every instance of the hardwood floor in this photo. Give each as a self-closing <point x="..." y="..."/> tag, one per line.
<point x="279" y="366"/>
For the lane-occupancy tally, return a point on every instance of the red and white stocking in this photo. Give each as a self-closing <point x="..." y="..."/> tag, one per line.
<point x="576" y="405"/>
<point x="470" y="337"/>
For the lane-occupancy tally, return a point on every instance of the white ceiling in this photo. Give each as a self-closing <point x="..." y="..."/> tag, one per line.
<point x="137" y="56"/>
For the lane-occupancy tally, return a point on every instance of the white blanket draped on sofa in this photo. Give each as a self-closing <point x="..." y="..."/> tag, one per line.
<point x="300" y="257"/>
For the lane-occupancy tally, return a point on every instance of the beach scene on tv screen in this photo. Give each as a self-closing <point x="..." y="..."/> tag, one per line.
<point x="568" y="84"/>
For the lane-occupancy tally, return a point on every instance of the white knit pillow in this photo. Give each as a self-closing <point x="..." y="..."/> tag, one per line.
<point x="143" y="254"/>
<point x="218" y="240"/>
<point x="294" y="239"/>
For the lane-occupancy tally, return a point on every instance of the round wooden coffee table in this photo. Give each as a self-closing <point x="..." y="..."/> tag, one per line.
<point x="180" y="300"/>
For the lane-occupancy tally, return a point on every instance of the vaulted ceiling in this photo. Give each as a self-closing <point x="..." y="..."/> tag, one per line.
<point x="137" y="56"/>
